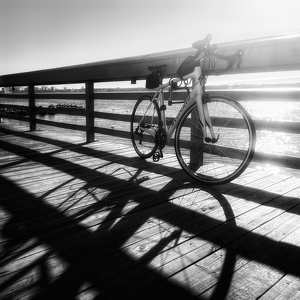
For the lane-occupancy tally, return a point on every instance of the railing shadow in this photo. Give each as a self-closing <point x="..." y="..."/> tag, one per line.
<point x="83" y="254"/>
<point x="230" y="188"/>
<point x="96" y="260"/>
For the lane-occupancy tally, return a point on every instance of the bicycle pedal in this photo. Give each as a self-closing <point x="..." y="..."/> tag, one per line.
<point x="156" y="156"/>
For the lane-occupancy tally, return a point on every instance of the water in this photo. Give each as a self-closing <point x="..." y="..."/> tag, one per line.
<point x="278" y="143"/>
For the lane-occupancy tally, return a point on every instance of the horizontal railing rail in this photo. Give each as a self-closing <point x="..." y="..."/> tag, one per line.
<point x="260" y="55"/>
<point x="111" y="117"/>
<point x="280" y="53"/>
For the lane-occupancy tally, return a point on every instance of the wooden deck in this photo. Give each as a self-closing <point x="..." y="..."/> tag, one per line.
<point x="94" y="221"/>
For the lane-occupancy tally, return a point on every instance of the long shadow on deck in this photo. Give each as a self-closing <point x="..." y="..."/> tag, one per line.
<point x="96" y="259"/>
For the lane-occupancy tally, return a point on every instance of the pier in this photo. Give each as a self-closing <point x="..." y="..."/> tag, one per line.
<point x="83" y="217"/>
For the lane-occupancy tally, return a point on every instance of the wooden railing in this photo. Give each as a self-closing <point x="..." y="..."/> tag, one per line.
<point x="269" y="54"/>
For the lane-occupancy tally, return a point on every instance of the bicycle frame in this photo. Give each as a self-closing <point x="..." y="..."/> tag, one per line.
<point x="195" y="95"/>
<point x="214" y="136"/>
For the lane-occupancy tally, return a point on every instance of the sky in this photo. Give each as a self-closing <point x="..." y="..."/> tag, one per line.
<point x="43" y="34"/>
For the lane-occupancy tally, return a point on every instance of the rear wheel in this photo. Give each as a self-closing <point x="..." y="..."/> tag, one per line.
<point x="216" y="162"/>
<point x="144" y="124"/>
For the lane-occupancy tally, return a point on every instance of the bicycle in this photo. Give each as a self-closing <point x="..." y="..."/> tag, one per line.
<point x="215" y="136"/>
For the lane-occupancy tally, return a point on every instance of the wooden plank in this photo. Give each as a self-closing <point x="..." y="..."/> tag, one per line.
<point x="257" y="278"/>
<point x="287" y="161"/>
<point x="112" y="116"/>
<point x="283" y="161"/>
<point x="32" y="120"/>
<point x="61" y="125"/>
<point x="159" y="260"/>
<point x="54" y="165"/>
<point x="259" y="55"/>
<point x="199" y="281"/>
<point x="258" y="94"/>
<point x="288" y="127"/>
<point x="91" y="223"/>
<point x="245" y="94"/>
<point x="38" y="187"/>
<point x="14" y="117"/>
<point x="90" y="108"/>
<point x="15" y="95"/>
<point x="14" y="106"/>
<point x="63" y="111"/>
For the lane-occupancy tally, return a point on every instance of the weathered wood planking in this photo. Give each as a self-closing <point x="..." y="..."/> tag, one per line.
<point x="279" y="53"/>
<point x="85" y="220"/>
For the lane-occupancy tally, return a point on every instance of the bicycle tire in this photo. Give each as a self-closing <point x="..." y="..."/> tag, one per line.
<point x="144" y="143"/>
<point x="224" y="160"/>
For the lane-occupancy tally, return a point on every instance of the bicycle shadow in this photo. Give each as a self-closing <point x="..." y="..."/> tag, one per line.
<point x="95" y="260"/>
<point x="19" y="230"/>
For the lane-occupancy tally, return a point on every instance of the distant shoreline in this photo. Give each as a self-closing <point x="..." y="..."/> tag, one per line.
<point x="292" y="86"/>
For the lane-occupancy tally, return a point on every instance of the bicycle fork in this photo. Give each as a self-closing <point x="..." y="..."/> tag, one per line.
<point x="205" y="119"/>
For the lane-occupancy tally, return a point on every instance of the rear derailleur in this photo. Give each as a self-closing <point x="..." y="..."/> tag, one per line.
<point x="160" y="141"/>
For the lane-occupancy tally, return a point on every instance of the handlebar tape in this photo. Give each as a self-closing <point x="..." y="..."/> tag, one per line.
<point x="231" y="59"/>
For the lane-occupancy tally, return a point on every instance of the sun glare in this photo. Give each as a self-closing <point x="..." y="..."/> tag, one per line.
<point x="259" y="79"/>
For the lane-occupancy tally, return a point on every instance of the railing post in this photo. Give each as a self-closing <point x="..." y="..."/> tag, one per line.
<point x="32" y="121"/>
<point x="89" y="106"/>
<point x="196" y="143"/>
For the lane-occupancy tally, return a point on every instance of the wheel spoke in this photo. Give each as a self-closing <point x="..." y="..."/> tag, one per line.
<point x="145" y="115"/>
<point x="218" y="161"/>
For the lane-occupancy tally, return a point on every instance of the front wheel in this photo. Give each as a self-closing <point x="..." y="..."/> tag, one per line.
<point x="225" y="158"/>
<point x="144" y="125"/>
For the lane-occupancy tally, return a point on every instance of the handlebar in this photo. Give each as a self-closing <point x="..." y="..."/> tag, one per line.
<point x="208" y="51"/>
<point x="204" y="46"/>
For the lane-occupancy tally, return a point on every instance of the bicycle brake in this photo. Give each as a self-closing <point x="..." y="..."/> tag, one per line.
<point x="140" y="134"/>
<point x="136" y="132"/>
